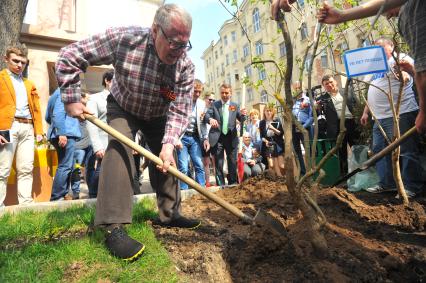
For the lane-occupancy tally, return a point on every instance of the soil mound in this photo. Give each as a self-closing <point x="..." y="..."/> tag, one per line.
<point x="371" y="238"/>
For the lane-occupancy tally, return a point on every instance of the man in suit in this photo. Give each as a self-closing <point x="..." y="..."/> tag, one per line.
<point x="223" y="136"/>
<point x="20" y="121"/>
<point x="195" y="137"/>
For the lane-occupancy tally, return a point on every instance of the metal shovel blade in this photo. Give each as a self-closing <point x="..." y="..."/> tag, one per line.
<point x="265" y="219"/>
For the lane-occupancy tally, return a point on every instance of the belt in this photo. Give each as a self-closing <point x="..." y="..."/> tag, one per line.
<point x="191" y="134"/>
<point x="24" y="120"/>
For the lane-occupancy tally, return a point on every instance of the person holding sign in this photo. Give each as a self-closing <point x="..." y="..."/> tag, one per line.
<point x="412" y="25"/>
<point x="380" y="106"/>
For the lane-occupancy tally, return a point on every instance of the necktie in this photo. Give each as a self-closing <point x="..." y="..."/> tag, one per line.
<point x="225" y="118"/>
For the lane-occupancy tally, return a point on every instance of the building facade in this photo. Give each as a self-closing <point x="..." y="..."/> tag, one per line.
<point x="255" y="35"/>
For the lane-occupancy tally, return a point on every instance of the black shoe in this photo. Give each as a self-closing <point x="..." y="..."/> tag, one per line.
<point x="121" y="245"/>
<point x="181" y="222"/>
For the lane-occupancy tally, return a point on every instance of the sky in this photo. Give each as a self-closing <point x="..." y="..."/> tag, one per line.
<point x="207" y="18"/>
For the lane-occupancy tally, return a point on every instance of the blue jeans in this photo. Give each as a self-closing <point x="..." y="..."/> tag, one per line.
<point x="409" y="157"/>
<point x="81" y="156"/>
<point x="191" y="147"/>
<point x="61" y="181"/>
<point x="92" y="173"/>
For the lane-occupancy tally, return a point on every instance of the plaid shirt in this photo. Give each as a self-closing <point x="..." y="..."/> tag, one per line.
<point x="140" y="79"/>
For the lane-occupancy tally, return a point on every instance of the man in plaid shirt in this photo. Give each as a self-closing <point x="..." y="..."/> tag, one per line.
<point x="151" y="91"/>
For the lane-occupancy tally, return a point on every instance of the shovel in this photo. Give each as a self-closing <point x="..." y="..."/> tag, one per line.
<point x="377" y="156"/>
<point x="261" y="217"/>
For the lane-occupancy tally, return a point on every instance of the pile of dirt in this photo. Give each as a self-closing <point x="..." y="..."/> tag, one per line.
<point x="371" y="238"/>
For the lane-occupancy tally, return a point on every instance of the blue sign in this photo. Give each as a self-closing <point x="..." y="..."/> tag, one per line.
<point x="364" y="61"/>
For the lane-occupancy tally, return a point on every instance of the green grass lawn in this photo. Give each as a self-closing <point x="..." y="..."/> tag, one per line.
<point x="55" y="247"/>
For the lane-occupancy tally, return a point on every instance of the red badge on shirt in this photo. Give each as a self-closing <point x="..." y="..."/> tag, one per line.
<point x="167" y="93"/>
<point x="232" y="108"/>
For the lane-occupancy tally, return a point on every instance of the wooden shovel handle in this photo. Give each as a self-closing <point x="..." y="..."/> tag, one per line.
<point x="172" y="170"/>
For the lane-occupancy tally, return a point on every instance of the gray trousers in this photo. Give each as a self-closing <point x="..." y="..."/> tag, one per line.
<point x="115" y="192"/>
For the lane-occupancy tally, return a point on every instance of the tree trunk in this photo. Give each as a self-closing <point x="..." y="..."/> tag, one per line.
<point x="12" y="15"/>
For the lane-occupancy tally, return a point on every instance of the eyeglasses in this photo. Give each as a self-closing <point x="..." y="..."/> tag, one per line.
<point x="17" y="61"/>
<point x="176" y="45"/>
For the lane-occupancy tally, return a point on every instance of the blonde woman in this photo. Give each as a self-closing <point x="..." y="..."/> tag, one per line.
<point x="272" y="133"/>
<point x="253" y="128"/>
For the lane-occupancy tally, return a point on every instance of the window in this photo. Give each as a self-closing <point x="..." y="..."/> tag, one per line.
<point x="256" y="20"/>
<point x="221" y="50"/>
<point x="234" y="36"/>
<point x="283" y="51"/>
<point x="215" y="54"/>
<point x="247" y="69"/>
<point x="236" y="75"/>
<point x="246" y="51"/>
<point x="250" y="94"/>
<point x="308" y="62"/>
<point x="244" y="30"/>
<point x="304" y="31"/>
<point x="262" y="74"/>
<point x="238" y="97"/>
<point x="324" y="59"/>
<point x="234" y="56"/>
<point x="228" y="78"/>
<point x="259" y="48"/>
<point x="223" y="69"/>
<point x="225" y="40"/>
<point x="263" y="96"/>
<point x="301" y="3"/>
<point x="217" y="72"/>
<point x="227" y="59"/>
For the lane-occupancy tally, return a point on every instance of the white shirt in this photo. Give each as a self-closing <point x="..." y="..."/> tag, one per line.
<point x="22" y="107"/>
<point x="379" y="102"/>
<point x="97" y="105"/>
<point x="337" y="102"/>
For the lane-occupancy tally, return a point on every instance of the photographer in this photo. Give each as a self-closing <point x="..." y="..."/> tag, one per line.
<point x="330" y="103"/>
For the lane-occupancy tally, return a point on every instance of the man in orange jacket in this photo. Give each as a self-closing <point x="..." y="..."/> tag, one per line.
<point x="20" y="122"/>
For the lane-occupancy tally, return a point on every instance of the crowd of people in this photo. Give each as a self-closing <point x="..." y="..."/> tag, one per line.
<point x="160" y="101"/>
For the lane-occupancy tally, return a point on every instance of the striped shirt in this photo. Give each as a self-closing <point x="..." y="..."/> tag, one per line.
<point x="139" y="76"/>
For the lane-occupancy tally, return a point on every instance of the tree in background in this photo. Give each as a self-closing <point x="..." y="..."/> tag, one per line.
<point x="12" y="15"/>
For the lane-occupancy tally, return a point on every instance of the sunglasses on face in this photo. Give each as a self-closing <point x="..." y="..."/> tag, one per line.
<point x="211" y="100"/>
<point x="17" y="61"/>
<point x="173" y="45"/>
